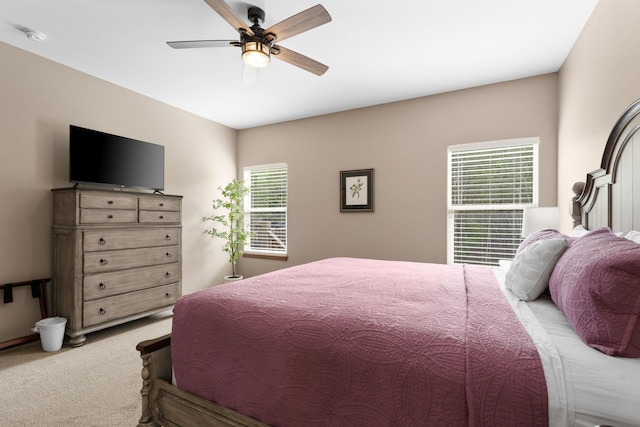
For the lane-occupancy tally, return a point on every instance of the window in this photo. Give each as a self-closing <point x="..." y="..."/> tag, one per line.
<point x="489" y="185"/>
<point x="266" y="209"/>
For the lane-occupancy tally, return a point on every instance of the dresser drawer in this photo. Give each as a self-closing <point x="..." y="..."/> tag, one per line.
<point x="98" y="262"/>
<point x="158" y="204"/>
<point x="129" y="238"/>
<point x="115" y="307"/>
<point x="110" y="201"/>
<point x="108" y="216"/>
<point x="117" y="282"/>
<point x="159" y="217"/>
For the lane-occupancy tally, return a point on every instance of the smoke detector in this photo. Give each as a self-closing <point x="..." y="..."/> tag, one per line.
<point x="36" y="36"/>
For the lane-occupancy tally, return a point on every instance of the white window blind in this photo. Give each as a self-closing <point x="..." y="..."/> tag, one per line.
<point x="490" y="184"/>
<point x="266" y="208"/>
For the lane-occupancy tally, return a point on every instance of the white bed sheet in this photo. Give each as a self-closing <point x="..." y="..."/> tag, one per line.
<point x="586" y="387"/>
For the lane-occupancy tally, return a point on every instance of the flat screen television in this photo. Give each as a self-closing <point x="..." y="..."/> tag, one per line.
<point x="101" y="158"/>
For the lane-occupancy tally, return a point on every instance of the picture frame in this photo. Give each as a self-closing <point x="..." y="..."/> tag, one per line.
<point x="356" y="190"/>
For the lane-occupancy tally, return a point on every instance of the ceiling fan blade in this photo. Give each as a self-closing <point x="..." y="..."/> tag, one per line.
<point x="190" y="44"/>
<point x="299" y="60"/>
<point x="224" y="10"/>
<point x="299" y="23"/>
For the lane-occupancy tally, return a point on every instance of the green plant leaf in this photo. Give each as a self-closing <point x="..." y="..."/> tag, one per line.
<point x="229" y="225"/>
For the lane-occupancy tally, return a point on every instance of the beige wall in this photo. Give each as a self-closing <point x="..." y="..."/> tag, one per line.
<point x="406" y="143"/>
<point x="39" y="99"/>
<point x="599" y="79"/>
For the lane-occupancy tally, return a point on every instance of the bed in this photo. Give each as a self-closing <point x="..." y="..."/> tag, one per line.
<point x="356" y="342"/>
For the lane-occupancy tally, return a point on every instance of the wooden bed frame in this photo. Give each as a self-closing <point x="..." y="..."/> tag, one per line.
<point x="165" y="404"/>
<point x="608" y="198"/>
<point x="605" y="199"/>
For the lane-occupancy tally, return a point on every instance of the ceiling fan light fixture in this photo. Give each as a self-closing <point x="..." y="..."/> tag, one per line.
<point x="256" y="54"/>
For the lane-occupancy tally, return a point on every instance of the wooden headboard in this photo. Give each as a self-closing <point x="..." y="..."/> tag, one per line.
<point x="610" y="197"/>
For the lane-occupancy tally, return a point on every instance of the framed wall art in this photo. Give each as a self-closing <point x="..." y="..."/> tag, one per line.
<point x="356" y="190"/>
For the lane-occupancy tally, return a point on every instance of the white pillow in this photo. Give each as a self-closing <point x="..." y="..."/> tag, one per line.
<point x="529" y="274"/>
<point x="578" y="231"/>
<point x="505" y="264"/>
<point x="632" y="235"/>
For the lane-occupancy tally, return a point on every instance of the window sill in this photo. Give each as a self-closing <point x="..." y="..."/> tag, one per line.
<point x="265" y="256"/>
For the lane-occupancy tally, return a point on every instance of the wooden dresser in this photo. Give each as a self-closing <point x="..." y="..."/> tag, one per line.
<point x="116" y="257"/>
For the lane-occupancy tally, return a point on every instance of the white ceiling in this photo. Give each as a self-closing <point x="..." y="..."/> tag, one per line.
<point x="377" y="51"/>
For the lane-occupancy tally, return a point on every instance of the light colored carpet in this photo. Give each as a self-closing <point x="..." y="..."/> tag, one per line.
<point x="97" y="384"/>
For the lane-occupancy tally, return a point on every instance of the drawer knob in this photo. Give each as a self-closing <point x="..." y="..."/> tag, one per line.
<point x="169" y="255"/>
<point x="161" y="217"/>
<point x="104" y="261"/>
<point x="102" y="241"/>
<point x="167" y="274"/>
<point x="110" y="216"/>
<point x="102" y="311"/>
<point x="102" y="286"/>
<point x="167" y="237"/>
<point x="161" y="204"/>
<point x="167" y="295"/>
<point x="110" y="202"/>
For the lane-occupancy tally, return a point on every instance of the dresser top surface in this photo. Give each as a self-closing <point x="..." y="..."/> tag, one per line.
<point x="105" y="191"/>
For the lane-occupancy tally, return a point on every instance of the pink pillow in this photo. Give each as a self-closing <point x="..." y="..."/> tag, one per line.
<point x="540" y="235"/>
<point x="596" y="283"/>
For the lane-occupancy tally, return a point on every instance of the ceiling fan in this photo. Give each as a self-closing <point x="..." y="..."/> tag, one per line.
<point x="258" y="45"/>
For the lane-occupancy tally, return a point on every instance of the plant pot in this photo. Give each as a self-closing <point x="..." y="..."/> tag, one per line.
<point x="230" y="278"/>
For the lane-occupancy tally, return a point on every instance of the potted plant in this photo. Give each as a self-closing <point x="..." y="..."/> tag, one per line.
<point x="229" y="225"/>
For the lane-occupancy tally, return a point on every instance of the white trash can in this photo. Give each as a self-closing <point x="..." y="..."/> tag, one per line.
<point x="51" y="332"/>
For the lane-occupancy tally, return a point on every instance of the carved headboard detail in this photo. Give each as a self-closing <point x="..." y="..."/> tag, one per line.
<point x="611" y="194"/>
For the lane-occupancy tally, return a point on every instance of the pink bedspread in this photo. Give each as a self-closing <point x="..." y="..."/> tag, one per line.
<point x="355" y="342"/>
